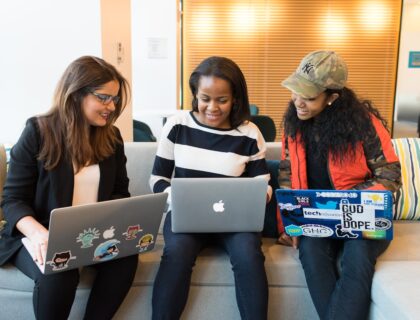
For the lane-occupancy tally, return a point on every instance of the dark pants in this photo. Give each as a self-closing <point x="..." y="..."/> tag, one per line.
<point x="345" y="295"/>
<point x="54" y="294"/>
<point x="172" y="283"/>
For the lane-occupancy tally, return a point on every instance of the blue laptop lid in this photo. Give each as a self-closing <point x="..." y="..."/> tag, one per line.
<point x="341" y="214"/>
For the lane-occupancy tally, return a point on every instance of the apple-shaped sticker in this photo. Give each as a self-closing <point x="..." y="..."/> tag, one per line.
<point x="109" y="233"/>
<point x="219" y="206"/>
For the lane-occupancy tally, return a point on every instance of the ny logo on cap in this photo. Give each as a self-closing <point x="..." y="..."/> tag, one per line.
<point x="307" y="67"/>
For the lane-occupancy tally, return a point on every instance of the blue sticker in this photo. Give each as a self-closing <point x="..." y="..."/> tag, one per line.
<point x="106" y="250"/>
<point x="328" y="205"/>
<point x="294" y="230"/>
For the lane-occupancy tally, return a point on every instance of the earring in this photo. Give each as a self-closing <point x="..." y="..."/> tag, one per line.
<point x="329" y="103"/>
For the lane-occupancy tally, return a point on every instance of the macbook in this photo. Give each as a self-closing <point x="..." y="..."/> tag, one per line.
<point x="218" y="204"/>
<point x="98" y="232"/>
<point x="341" y="214"/>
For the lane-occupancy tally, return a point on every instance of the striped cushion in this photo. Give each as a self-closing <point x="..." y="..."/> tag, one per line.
<point x="407" y="206"/>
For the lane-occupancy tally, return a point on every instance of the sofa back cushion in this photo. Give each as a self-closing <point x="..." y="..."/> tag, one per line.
<point x="2" y="173"/>
<point x="140" y="159"/>
<point x="407" y="204"/>
<point x="270" y="221"/>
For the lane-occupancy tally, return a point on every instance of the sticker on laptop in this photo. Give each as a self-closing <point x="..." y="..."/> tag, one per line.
<point x="60" y="260"/>
<point x="303" y="201"/>
<point x="87" y="236"/>
<point x="144" y="242"/>
<point x="327" y="205"/>
<point x="376" y="200"/>
<point x="343" y="233"/>
<point x="316" y="230"/>
<point x="289" y="206"/>
<point x="106" y="251"/>
<point x="132" y="231"/>
<point x="357" y="217"/>
<point x="316" y="213"/>
<point x="109" y="233"/>
<point x="382" y="224"/>
<point x="293" y="230"/>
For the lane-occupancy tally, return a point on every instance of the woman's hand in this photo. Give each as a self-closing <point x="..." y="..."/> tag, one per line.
<point x="37" y="234"/>
<point x="286" y="240"/>
<point x="39" y="241"/>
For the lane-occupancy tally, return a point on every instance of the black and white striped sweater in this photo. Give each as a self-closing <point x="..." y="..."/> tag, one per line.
<point x="189" y="149"/>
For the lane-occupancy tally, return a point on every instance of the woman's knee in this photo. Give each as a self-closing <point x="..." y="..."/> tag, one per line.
<point x="247" y="251"/>
<point x="61" y="281"/>
<point x="179" y="252"/>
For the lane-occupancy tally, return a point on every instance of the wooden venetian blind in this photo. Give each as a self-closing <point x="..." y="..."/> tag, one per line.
<point x="268" y="38"/>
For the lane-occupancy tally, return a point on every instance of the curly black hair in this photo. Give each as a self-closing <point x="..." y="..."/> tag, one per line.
<point x="338" y="128"/>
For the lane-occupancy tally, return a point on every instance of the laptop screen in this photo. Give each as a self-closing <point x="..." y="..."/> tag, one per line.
<point x="341" y="214"/>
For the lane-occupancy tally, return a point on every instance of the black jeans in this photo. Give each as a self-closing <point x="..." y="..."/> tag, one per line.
<point x="54" y="294"/>
<point x="344" y="296"/>
<point x="172" y="283"/>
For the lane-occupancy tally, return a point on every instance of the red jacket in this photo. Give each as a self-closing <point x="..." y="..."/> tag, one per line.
<point x="375" y="166"/>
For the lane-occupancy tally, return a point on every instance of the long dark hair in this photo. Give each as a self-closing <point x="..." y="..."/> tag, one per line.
<point x="228" y="70"/>
<point x="338" y="128"/>
<point x="64" y="128"/>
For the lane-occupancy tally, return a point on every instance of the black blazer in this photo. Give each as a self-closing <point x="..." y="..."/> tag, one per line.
<point x="30" y="190"/>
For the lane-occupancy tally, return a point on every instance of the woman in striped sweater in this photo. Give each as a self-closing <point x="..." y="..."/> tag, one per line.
<point x="215" y="139"/>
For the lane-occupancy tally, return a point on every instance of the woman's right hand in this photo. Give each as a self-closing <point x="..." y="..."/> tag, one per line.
<point x="37" y="234"/>
<point x="39" y="241"/>
<point x="287" y="240"/>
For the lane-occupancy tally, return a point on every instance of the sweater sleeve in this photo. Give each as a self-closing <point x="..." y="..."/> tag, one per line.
<point x="381" y="160"/>
<point x="160" y="179"/>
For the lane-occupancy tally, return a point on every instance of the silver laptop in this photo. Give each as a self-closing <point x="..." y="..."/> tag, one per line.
<point x="218" y="204"/>
<point x="93" y="233"/>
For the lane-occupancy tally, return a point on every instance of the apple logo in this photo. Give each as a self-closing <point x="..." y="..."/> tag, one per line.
<point x="109" y="233"/>
<point x="218" y="206"/>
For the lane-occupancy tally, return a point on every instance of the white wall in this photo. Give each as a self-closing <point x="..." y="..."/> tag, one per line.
<point x="38" y="40"/>
<point x="154" y="60"/>
<point x="408" y="90"/>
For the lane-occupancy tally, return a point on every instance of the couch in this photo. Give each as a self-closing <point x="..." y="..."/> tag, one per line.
<point x="395" y="289"/>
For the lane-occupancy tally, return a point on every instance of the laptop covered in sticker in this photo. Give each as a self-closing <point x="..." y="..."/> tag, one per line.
<point x="93" y="233"/>
<point x="207" y="205"/>
<point x="340" y="214"/>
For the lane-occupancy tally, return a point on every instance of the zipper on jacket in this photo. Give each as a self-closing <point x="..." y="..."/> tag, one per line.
<point x="297" y="155"/>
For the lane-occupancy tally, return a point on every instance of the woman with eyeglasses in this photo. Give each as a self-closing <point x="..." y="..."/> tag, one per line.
<point x="69" y="156"/>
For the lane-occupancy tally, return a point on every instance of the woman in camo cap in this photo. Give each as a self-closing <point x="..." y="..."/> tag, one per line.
<point x="334" y="140"/>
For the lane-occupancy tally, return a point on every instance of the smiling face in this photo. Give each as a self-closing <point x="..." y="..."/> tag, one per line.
<point x="312" y="107"/>
<point x="215" y="101"/>
<point x="96" y="111"/>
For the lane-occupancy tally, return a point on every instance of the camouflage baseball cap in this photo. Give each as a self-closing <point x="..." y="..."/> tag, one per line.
<point x="318" y="71"/>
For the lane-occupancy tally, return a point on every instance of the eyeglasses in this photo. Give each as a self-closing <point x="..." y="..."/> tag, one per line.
<point x="106" y="98"/>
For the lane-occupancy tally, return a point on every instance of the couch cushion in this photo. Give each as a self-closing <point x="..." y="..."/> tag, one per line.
<point x="270" y="221"/>
<point x="139" y="165"/>
<point x="406" y="243"/>
<point x="213" y="266"/>
<point x="2" y="174"/>
<point x="395" y="290"/>
<point x="407" y="204"/>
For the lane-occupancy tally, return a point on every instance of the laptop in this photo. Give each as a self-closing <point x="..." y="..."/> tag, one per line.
<point x="218" y="204"/>
<point x="340" y="214"/>
<point x="94" y="233"/>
